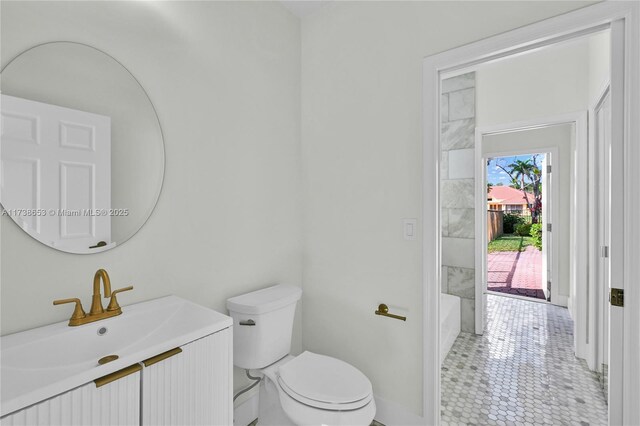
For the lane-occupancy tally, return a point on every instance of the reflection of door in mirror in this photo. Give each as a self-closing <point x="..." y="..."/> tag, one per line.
<point x="80" y="87"/>
<point x="56" y="167"/>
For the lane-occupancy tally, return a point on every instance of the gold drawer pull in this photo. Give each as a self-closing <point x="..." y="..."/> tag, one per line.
<point x="384" y="311"/>
<point x="104" y="380"/>
<point x="161" y="357"/>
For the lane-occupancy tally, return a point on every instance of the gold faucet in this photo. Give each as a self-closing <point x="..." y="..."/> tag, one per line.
<point x="96" y="299"/>
<point x="97" y="311"/>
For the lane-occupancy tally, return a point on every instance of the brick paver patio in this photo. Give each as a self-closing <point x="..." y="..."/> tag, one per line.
<point x="516" y="272"/>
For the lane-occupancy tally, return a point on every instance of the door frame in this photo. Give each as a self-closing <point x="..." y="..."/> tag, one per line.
<point x="481" y="217"/>
<point x="623" y="19"/>
<point x="578" y="305"/>
<point x="594" y="230"/>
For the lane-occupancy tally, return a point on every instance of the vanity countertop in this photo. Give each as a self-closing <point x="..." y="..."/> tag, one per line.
<point x="43" y="362"/>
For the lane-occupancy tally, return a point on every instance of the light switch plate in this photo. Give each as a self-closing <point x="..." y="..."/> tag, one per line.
<point x="409" y="229"/>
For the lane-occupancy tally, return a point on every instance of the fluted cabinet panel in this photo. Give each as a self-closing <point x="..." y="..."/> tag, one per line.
<point x="117" y="403"/>
<point x="193" y="387"/>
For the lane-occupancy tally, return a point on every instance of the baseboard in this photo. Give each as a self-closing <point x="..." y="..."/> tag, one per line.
<point x="570" y="307"/>
<point x="393" y="414"/>
<point x="247" y="410"/>
<point x="562" y="301"/>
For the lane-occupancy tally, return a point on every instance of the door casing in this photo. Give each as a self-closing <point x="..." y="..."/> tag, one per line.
<point x="623" y="18"/>
<point x="599" y="235"/>
<point x="579" y="224"/>
<point x="481" y="218"/>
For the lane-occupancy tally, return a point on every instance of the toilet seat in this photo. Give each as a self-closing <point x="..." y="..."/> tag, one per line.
<point x="324" y="382"/>
<point x="324" y="405"/>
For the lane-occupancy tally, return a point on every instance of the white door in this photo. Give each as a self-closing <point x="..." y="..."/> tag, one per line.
<point x="603" y="264"/>
<point x="56" y="161"/>
<point x="547" y="226"/>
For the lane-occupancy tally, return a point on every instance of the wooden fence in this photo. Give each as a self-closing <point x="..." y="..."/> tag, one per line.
<point x="495" y="220"/>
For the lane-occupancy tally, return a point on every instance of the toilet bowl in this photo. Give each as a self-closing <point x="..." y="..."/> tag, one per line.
<point x="314" y="389"/>
<point x="308" y="389"/>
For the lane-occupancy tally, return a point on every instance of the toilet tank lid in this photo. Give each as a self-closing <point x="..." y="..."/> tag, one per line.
<point x="265" y="300"/>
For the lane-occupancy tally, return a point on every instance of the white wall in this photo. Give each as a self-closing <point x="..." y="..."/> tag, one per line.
<point x="555" y="80"/>
<point x="552" y="81"/>
<point x="225" y="79"/>
<point x="538" y="84"/>
<point x="561" y="137"/>
<point x="599" y="64"/>
<point x="362" y="136"/>
<point x="93" y="82"/>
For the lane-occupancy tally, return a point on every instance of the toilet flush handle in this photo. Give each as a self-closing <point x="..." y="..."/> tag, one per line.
<point x="248" y="322"/>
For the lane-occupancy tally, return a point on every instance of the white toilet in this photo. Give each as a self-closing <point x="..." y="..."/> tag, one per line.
<point x="308" y="389"/>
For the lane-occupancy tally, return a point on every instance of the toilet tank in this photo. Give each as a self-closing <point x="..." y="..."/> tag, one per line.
<point x="262" y="325"/>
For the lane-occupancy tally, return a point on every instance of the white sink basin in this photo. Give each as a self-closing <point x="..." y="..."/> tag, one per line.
<point x="46" y="361"/>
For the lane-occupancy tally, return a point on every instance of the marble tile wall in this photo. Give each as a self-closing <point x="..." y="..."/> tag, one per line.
<point x="457" y="192"/>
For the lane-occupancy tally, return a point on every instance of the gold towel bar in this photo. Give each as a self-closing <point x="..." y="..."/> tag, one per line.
<point x="384" y="311"/>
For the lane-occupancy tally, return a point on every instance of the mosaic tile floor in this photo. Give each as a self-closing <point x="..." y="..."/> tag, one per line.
<point x="522" y="371"/>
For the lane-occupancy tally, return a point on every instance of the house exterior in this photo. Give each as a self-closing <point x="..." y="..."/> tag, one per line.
<point x="509" y="200"/>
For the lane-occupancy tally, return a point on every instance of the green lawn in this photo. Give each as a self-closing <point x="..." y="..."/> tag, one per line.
<point x="510" y="242"/>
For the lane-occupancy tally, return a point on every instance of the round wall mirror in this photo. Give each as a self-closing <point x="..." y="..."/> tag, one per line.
<point x="82" y="152"/>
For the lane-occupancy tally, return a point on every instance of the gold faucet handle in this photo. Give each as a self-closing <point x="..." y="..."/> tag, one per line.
<point x="78" y="312"/>
<point x="113" y="303"/>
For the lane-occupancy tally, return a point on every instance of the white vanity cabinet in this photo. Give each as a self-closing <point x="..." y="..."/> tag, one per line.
<point x="189" y="385"/>
<point x="116" y="403"/>
<point x="193" y="387"/>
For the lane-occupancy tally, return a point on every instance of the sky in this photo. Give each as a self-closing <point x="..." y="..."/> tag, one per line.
<point x="496" y="175"/>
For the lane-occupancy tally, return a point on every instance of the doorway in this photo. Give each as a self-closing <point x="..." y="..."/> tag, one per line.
<point x="623" y="154"/>
<point x="514" y="227"/>
<point x="541" y="267"/>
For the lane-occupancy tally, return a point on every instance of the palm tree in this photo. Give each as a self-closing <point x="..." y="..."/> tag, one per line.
<point x="526" y="175"/>
<point x="536" y="183"/>
<point x="520" y="171"/>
